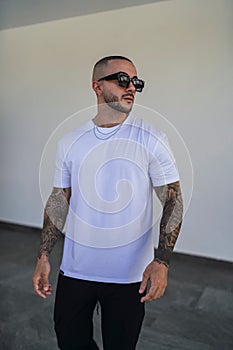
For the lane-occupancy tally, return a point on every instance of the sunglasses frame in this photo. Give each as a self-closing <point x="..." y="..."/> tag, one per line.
<point x="137" y="83"/>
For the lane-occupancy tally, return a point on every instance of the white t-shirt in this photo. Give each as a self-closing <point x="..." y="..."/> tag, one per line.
<point x="111" y="172"/>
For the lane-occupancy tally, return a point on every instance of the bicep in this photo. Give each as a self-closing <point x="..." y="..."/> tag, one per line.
<point x="59" y="197"/>
<point x="57" y="207"/>
<point x="56" y="191"/>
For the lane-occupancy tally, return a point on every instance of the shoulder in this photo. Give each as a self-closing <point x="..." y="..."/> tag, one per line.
<point x="68" y="139"/>
<point x="146" y="128"/>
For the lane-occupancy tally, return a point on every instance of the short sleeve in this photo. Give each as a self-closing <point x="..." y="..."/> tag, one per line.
<point x="162" y="165"/>
<point x="62" y="178"/>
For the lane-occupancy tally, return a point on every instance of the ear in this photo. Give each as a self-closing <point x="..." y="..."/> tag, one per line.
<point x="96" y="86"/>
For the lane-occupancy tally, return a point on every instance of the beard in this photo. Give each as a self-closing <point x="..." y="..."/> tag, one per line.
<point x="113" y="102"/>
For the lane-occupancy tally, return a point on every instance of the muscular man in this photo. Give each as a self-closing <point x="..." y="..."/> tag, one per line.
<point x="105" y="174"/>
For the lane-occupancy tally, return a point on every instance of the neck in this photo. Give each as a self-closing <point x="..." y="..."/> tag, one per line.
<point x="107" y="119"/>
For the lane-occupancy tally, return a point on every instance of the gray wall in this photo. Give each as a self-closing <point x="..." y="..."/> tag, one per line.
<point x="184" y="52"/>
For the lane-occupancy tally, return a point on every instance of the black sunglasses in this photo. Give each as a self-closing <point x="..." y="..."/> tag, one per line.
<point x="124" y="80"/>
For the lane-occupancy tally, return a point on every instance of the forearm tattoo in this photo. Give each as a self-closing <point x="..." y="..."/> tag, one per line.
<point x="170" y="224"/>
<point x="54" y="220"/>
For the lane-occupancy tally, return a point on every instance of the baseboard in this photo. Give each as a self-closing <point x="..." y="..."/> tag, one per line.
<point x="4" y="225"/>
<point x="176" y="255"/>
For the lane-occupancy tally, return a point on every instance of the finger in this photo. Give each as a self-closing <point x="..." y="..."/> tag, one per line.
<point x="44" y="285"/>
<point x="146" y="298"/>
<point x="143" y="284"/>
<point x="39" y="291"/>
<point x="42" y="293"/>
<point x="159" y="293"/>
<point x="45" y="282"/>
<point x="36" y="283"/>
<point x="49" y="290"/>
<point x="151" y="295"/>
<point x="39" y="287"/>
<point x="46" y="289"/>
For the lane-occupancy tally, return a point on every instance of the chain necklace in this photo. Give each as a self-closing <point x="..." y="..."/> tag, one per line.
<point x="105" y="136"/>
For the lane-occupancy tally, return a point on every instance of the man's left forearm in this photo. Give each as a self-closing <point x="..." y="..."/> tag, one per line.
<point x="171" y="199"/>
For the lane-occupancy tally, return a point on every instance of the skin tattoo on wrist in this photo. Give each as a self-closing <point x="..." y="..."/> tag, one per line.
<point x="171" y="199"/>
<point x="54" y="220"/>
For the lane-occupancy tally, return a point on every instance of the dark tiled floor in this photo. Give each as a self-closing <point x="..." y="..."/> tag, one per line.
<point x="195" y="313"/>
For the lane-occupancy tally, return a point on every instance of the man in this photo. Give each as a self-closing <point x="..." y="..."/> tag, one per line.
<point x="104" y="178"/>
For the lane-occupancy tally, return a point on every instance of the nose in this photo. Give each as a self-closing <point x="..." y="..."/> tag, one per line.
<point x="131" y="87"/>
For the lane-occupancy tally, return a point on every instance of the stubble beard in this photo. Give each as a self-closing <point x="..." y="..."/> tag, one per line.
<point x="113" y="102"/>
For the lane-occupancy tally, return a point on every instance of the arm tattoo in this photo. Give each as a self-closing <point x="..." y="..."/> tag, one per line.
<point x="171" y="199"/>
<point x="54" y="219"/>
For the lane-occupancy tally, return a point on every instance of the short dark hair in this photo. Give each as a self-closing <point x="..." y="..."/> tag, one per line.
<point x="104" y="62"/>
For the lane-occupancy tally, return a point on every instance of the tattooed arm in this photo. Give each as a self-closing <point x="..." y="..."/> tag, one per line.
<point x="54" y="220"/>
<point x="170" y="224"/>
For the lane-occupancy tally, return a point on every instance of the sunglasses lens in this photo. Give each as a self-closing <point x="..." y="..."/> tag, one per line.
<point x="138" y="84"/>
<point x="124" y="80"/>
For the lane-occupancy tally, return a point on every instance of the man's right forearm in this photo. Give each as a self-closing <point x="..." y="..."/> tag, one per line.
<point x="54" y="220"/>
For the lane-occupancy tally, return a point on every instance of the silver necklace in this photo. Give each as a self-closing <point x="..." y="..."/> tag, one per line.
<point x="104" y="136"/>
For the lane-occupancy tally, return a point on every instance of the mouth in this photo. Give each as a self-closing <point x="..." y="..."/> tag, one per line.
<point x="128" y="98"/>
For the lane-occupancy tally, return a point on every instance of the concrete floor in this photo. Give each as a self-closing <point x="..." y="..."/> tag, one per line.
<point x="195" y="313"/>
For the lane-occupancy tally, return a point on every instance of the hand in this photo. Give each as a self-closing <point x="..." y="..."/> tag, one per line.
<point x="40" y="278"/>
<point x="157" y="274"/>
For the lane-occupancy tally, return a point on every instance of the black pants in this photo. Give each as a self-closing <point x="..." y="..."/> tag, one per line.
<point x="122" y="314"/>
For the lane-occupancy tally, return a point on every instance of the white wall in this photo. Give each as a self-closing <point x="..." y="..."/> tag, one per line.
<point x="184" y="51"/>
